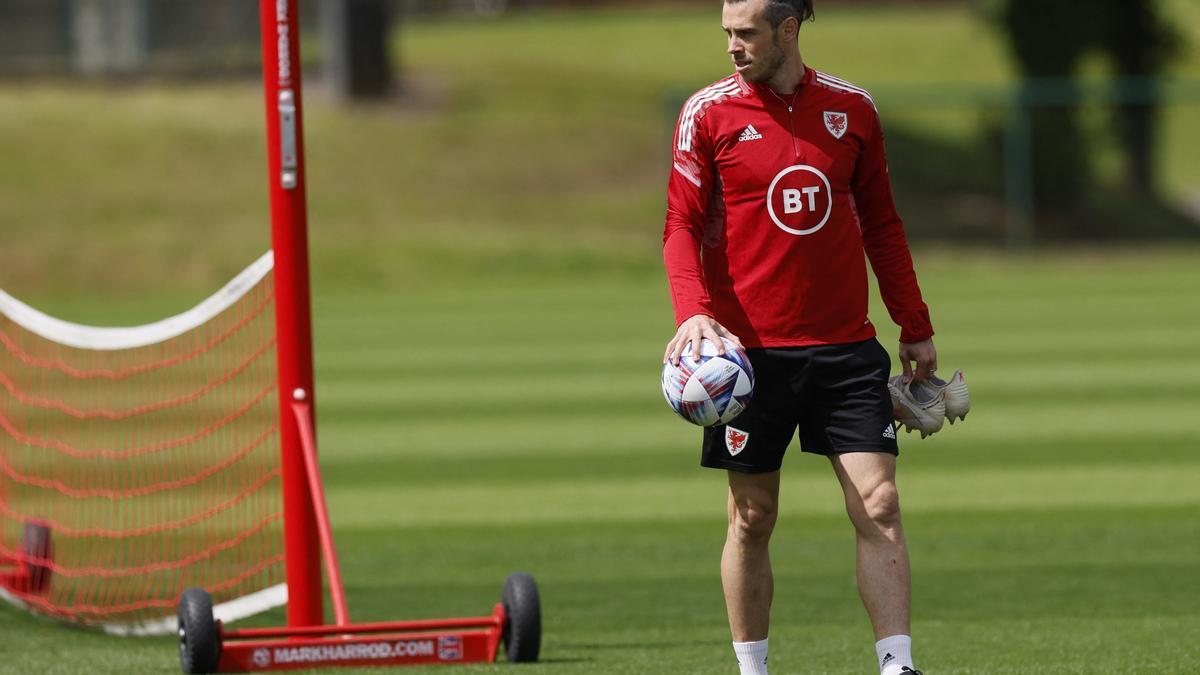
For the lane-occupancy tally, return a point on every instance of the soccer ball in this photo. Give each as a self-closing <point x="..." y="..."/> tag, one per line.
<point x="709" y="389"/>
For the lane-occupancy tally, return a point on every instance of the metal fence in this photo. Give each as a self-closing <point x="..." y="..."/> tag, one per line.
<point x="137" y="37"/>
<point x="119" y="37"/>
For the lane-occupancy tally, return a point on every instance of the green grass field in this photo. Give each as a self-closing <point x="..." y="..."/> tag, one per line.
<point x="489" y="315"/>
<point x="470" y="433"/>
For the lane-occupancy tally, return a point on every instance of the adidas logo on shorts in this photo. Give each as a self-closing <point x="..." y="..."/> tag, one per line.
<point x="889" y="432"/>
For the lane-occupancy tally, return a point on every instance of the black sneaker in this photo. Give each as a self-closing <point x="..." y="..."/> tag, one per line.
<point x="906" y="669"/>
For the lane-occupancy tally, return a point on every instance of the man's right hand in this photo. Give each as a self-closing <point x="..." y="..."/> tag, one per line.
<point x="697" y="328"/>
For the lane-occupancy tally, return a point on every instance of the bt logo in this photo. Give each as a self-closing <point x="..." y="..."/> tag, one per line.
<point x="793" y="200"/>
<point x="799" y="200"/>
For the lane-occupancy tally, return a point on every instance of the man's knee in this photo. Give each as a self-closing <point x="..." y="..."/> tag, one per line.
<point x="752" y="521"/>
<point x="753" y="506"/>
<point x="878" y="511"/>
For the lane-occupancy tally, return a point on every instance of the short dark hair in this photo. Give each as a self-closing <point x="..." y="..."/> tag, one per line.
<point x="778" y="11"/>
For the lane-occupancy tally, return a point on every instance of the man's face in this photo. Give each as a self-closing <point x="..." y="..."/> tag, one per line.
<point x="753" y="45"/>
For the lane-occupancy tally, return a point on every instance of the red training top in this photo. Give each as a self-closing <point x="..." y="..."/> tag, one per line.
<point x="772" y="200"/>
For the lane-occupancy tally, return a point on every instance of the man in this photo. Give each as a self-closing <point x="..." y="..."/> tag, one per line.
<point x="779" y="184"/>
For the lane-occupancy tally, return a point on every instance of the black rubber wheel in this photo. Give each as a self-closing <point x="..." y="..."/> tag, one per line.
<point x="35" y="543"/>
<point x="199" y="640"/>
<point x="522" y="636"/>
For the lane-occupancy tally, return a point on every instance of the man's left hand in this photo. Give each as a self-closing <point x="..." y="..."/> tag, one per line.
<point x="925" y="356"/>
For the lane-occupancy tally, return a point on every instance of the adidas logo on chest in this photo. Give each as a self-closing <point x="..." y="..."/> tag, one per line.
<point x="750" y="134"/>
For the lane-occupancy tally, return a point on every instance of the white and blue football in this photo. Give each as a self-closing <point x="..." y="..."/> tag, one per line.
<point x="709" y="389"/>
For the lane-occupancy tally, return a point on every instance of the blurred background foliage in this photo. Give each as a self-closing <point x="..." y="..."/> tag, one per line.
<point x="511" y="137"/>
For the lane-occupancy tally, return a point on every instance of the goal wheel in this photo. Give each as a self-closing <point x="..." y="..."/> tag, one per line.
<point x="522" y="634"/>
<point x="35" y="544"/>
<point x="199" y="640"/>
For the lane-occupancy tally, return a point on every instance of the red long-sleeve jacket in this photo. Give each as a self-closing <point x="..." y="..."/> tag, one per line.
<point x="771" y="203"/>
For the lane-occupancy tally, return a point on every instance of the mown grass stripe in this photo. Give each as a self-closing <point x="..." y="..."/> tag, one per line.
<point x="638" y="499"/>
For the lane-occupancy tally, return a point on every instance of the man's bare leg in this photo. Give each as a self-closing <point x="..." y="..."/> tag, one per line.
<point x="745" y="562"/>
<point x="869" y="484"/>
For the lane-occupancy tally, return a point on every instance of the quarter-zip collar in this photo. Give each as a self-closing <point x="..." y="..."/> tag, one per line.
<point x="769" y="96"/>
<point x="785" y="104"/>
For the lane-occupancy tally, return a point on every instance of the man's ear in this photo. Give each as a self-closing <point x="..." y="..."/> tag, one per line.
<point x="789" y="30"/>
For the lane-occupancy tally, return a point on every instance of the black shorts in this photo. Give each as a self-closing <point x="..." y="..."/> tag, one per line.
<point x="836" y="395"/>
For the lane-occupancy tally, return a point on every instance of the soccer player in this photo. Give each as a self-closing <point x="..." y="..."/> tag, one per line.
<point x="779" y="185"/>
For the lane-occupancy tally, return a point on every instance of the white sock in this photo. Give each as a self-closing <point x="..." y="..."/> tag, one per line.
<point x="752" y="657"/>
<point x="894" y="652"/>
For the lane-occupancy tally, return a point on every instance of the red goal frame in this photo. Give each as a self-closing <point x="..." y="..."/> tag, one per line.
<point x="307" y="641"/>
<point x="206" y="644"/>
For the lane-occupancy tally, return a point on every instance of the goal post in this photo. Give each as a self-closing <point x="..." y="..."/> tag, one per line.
<point x="289" y="239"/>
<point x="164" y="478"/>
<point x="137" y="462"/>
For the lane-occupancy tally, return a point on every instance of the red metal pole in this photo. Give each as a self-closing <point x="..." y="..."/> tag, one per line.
<point x="308" y="443"/>
<point x="293" y="321"/>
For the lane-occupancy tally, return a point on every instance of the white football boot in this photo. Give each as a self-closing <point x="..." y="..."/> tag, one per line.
<point x="917" y="405"/>
<point x="954" y="390"/>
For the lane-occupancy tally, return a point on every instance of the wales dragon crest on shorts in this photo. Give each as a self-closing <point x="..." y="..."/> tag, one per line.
<point x="735" y="440"/>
